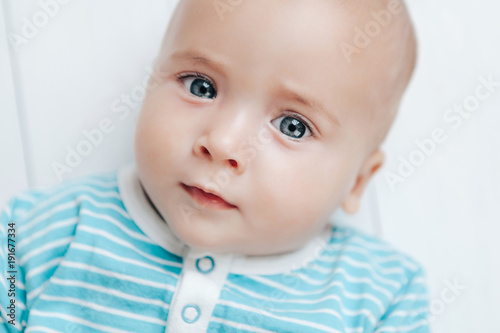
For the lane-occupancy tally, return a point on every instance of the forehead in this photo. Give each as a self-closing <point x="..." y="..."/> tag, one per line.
<point x="277" y="30"/>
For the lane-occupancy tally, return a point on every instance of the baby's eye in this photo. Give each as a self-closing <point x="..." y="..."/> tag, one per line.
<point x="292" y="127"/>
<point x="199" y="86"/>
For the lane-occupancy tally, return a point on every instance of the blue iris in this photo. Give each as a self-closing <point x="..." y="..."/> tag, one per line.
<point x="292" y="127"/>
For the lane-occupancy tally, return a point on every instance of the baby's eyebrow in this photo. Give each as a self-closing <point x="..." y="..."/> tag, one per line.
<point x="198" y="57"/>
<point x="307" y="102"/>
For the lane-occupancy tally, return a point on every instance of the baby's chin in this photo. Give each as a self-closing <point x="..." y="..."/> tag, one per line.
<point x="213" y="243"/>
<point x="229" y="244"/>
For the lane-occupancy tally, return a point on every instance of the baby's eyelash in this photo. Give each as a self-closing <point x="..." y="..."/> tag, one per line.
<point x="184" y="75"/>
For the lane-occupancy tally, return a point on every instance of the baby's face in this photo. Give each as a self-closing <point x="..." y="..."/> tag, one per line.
<point x="262" y="109"/>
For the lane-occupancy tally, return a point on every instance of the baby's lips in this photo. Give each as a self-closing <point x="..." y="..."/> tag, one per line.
<point x="207" y="197"/>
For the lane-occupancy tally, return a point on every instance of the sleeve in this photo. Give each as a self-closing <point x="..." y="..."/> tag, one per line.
<point x="12" y="294"/>
<point x="409" y="311"/>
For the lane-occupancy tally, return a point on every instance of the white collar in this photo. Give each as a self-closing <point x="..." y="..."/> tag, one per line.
<point x="148" y="220"/>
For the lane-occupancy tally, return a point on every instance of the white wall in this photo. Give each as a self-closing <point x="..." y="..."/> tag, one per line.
<point x="76" y="70"/>
<point x="73" y="72"/>
<point x="13" y="177"/>
<point x="446" y="213"/>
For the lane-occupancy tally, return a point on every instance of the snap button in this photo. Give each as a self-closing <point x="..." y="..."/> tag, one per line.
<point x="205" y="265"/>
<point x="191" y="313"/>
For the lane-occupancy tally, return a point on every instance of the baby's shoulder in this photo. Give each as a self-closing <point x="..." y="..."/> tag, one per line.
<point x="363" y="257"/>
<point x="35" y="209"/>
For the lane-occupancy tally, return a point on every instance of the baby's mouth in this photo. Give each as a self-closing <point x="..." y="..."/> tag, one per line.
<point x="206" y="199"/>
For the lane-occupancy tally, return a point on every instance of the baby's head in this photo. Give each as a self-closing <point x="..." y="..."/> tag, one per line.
<point x="277" y="107"/>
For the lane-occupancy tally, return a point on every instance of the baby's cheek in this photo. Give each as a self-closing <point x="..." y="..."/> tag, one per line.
<point x="161" y="132"/>
<point x="283" y="201"/>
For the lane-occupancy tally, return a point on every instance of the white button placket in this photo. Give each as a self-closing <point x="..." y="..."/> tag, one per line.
<point x="198" y="289"/>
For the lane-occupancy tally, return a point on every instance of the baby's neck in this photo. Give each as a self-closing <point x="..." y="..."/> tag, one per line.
<point x="150" y="202"/>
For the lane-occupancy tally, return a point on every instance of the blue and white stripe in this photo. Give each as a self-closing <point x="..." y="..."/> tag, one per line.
<point x="83" y="265"/>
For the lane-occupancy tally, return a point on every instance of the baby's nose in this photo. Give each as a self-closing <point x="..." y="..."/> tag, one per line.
<point x="230" y="160"/>
<point x="223" y="142"/>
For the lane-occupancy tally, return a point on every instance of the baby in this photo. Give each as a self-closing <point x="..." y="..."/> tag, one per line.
<point x="267" y="119"/>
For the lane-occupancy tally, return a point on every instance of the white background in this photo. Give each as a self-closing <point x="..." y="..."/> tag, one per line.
<point x="72" y="72"/>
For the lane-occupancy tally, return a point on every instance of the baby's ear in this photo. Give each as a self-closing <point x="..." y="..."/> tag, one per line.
<point x="368" y="169"/>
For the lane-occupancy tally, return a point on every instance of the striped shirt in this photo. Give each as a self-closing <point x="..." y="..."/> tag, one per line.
<point x="91" y="255"/>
